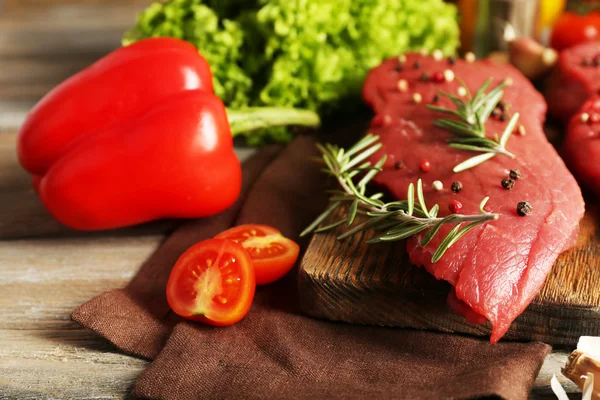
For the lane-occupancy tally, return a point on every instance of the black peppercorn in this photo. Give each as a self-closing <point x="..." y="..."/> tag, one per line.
<point x="502" y="117"/>
<point x="451" y="60"/>
<point x="501" y="105"/>
<point x="424" y="76"/>
<point x="524" y="208"/>
<point x="496" y="112"/>
<point x="398" y="68"/>
<point x="585" y="62"/>
<point x="456" y="186"/>
<point x="399" y="164"/>
<point x="596" y="62"/>
<point x="436" y="98"/>
<point x="508" y="183"/>
<point x="417" y="65"/>
<point x="515" y="174"/>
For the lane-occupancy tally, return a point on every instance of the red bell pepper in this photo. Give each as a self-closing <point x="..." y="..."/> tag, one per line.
<point x="139" y="136"/>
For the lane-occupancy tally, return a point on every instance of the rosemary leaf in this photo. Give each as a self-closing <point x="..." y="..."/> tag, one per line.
<point x="410" y="197"/>
<point x="459" y="103"/>
<point x="330" y="226"/>
<point x="443" y="110"/>
<point x="320" y="218"/>
<point x="480" y="92"/>
<point x="376" y="196"/>
<point x="431" y="233"/>
<point x="403" y="226"/>
<point x="379" y="213"/>
<point x="434" y="211"/>
<point x="398" y="205"/>
<point x="403" y="234"/>
<point x="421" y="198"/>
<point x="356" y="192"/>
<point x="484" y="99"/>
<point x="489" y="106"/>
<point x="510" y="127"/>
<point x="362" y="226"/>
<point x="365" y="142"/>
<point x="461" y="233"/>
<point x="329" y="162"/>
<point x="362" y="156"/>
<point x="471" y="148"/>
<point x="352" y="173"/>
<point x="485" y="142"/>
<point x="352" y="211"/>
<point x="482" y="205"/>
<point x="445" y="244"/>
<point x="459" y="128"/>
<point x="473" y="161"/>
<point x="377" y="167"/>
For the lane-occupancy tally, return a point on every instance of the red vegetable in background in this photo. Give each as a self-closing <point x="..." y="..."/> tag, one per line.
<point x="138" y="136"/>
<point x="572" y="29"/>
<point x="175" y="160"/>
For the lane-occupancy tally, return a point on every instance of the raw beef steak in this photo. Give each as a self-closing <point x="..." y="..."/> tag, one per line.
<point x="575" y="78"/>
<point x="498" y="267"/>
<point x="581" y="147"/>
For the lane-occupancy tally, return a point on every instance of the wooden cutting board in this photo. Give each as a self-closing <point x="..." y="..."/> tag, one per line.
<point x="376" y="284"/>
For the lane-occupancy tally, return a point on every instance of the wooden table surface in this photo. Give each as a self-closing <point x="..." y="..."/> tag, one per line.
<point x="47" y="270"/>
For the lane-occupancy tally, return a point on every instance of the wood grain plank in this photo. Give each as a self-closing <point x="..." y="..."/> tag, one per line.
<point x="43" y="354"/>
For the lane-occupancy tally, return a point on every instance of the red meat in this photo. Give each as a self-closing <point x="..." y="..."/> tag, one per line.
<point x="582" y="144"/>
<point x="498" y="267"/>
<point x="575" y="78"/>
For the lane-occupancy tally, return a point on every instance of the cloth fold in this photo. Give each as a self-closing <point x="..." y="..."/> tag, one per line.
<point x="275" y="351"/>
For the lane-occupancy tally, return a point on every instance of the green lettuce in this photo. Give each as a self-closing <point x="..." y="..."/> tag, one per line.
<point x="313" y="54"/>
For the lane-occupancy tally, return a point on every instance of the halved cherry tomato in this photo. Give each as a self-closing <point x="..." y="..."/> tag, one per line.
<point x="273" y="255"/>
<point x="212" y="282"/>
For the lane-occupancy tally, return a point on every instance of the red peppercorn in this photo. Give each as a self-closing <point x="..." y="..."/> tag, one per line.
<point x="438" y="77"/>
<point x="454" y="206"/>
<point x="425" y="165"/>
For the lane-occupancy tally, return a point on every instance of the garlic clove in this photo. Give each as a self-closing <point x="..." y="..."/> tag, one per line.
<point x="583" y="367"/>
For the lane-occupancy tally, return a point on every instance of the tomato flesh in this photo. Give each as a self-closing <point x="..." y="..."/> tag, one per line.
<point x="272" y="254"/>
<point x="212" y="282"/>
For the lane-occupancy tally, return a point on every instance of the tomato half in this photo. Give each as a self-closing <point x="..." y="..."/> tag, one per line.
<point x="212" y="282"/>
<point x="272" y="254"/>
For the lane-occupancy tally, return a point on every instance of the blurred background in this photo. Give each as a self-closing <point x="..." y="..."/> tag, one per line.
<point x="42" y="42"/>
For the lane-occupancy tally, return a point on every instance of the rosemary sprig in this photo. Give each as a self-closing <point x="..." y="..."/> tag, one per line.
<point x="395" y="220"/>
<point x="469" y="128"/>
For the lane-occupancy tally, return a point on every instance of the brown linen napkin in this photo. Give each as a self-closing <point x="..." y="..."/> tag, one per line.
<point x="275" y="352"/>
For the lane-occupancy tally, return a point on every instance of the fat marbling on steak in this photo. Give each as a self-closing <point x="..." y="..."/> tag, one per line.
<point x="497" y="268"/>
